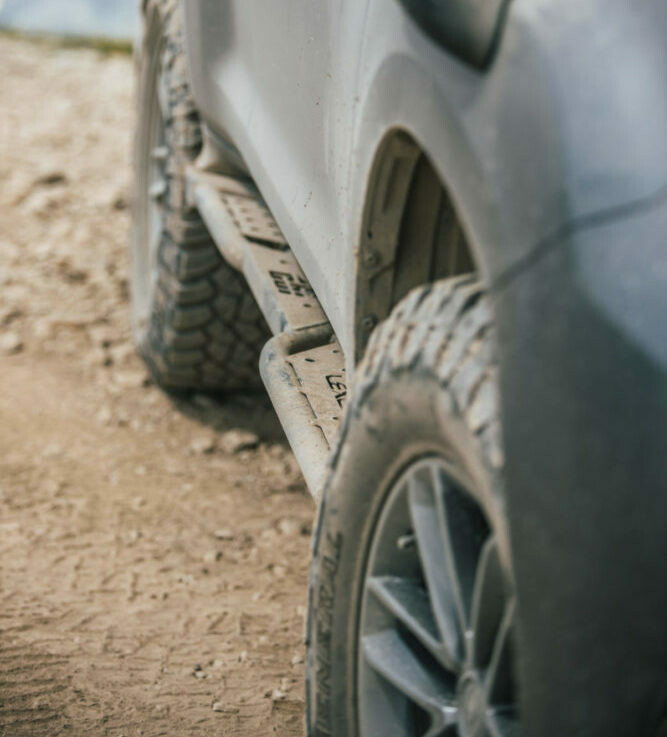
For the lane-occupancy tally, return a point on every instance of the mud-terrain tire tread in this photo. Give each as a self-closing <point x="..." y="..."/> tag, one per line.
<point x="205" y="331"/>
<point x="445" y="332"/>
<point x="445" y="329"/>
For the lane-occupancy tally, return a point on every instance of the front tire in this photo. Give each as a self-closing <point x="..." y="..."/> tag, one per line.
<point x="195" y="321"/>
<point x="410" y="628"/>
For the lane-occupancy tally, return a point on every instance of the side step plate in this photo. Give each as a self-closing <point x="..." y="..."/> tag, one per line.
<point x="303" y="368"/>
<point x="249" y="238"/>
<point x="308" y="390"/>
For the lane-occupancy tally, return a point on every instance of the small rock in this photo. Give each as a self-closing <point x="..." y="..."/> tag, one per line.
<point x="40" y="203"/>
<point x="10" y="313"/>
<point x="203" y="444"/>
<point x="122" y="418"/>
<point x="44" y="328"/>
<point x="234" y="441"/>
<point x="104" y="416"/>
<point x="121" y="353"/>
<point x="289" y="527"/>
<point x="152" y="397"/>
<point x="212" y="556"/>
<point x="50" y="179"/>
<point x="10" y="343"/>
<point x="217" y="706"/>
<point x="119" y="202"/>
<point x="71" y="273"/>
<point x="131" y="379"/>
<point x="224" y="533"/>
<point x="278" y="695"/>
<point x="297" y="659"/>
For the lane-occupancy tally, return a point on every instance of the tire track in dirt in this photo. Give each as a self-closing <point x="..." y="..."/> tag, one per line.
<point x="32" y="688"/>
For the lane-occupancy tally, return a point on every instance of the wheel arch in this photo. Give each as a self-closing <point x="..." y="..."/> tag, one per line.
<point x="411" y="233"/>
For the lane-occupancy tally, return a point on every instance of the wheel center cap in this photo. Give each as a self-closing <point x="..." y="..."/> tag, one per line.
<point x="472" y="706"/>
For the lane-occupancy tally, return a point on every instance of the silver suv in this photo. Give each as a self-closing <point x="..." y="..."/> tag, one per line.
<point x="406" y="215"/>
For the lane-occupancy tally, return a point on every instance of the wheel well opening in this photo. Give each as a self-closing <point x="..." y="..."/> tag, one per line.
<point x="411" y="232"/>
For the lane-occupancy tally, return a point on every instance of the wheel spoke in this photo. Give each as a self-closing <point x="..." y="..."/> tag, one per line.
<point x="488" y="603"/>
<point x="428" y="687"/>
<point x="444" y="725"/>
<point x="437" y="572"/>
<point x="499" y="678"/>
<point x="410" y="604"/>
<point x="464" y="531"/>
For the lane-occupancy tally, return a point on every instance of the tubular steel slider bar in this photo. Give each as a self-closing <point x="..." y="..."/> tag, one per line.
<point x="302" y="366"/>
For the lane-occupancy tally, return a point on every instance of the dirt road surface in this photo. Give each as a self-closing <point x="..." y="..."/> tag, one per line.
<point x="153" y="552"/>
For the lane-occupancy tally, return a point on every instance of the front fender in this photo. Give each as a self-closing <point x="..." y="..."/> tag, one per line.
<point x="583" y="336"/>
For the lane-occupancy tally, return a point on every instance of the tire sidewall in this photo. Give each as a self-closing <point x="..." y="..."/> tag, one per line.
<point x="401" y="419"/>
<point x="149" y="69"/>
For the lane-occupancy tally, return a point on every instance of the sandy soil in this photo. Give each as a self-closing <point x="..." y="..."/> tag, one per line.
<point x="153" y="553"/>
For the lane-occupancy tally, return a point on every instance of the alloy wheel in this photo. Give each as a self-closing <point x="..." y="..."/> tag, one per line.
<point x="436" y="627"/>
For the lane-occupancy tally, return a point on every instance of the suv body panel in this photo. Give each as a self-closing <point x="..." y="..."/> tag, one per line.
<point x="308" y="92"/>
<point x="584" y="390"/>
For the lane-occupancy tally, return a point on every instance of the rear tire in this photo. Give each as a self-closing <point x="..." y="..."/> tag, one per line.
<point x="195" y="321"/>
<point x="411" y="533"/>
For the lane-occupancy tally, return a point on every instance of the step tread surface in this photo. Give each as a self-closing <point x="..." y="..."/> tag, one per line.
<point x="321" y="377"/>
